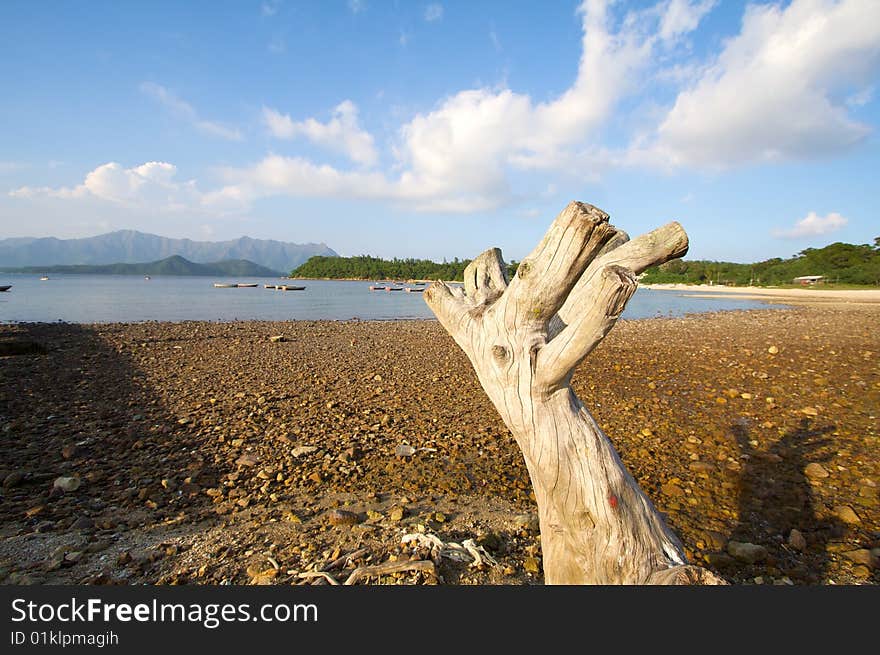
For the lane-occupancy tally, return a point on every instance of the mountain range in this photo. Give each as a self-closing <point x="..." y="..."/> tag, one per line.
<point x="174" y="265"/>
<point x="130" y="247"/>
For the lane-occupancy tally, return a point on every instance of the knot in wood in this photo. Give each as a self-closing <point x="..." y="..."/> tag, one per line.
<point x="499" y="352"/>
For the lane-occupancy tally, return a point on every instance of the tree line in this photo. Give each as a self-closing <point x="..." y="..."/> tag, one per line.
<point x="839" y="263"/>
<point x="366" y="267"/>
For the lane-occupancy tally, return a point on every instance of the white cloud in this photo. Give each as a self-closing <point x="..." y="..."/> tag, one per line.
<point x="682" y="16"/>
<point x="187" y="112"/>
<point x="773" y="92"/>
<point x="341" y="133"/>
<point x="356" y="6"/>
<point x="151" y="185"/>
<point x="778" y="89"/>
<point x="404" y="39"/>
<point x="813" y="225"/>
<point x="433" y="12"/>
<point x="459" y="156"/>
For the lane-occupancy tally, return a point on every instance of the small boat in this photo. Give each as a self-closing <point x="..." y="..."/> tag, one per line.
<point x="248" y="284"/>
<point x="221" y="285"/>
<point x="269" y="286"/>
<point x="411" y="290"/>
<point x="375" y="288"/>
<point x="393" y="288"/>
<point x="45" y="277"/>
<point x="146" y="277"/>
<point x="288" y="287"/>
<point x="5" y="287"/>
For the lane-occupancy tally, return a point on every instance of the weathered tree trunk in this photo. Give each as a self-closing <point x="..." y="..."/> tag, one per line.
<point x="524" y="338"/>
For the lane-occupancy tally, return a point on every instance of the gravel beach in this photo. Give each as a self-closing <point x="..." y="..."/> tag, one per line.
<point x="308" y="452"/>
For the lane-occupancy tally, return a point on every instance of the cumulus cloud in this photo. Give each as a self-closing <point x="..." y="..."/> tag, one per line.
<point x="433" y="12"/>
<point x="187" y="112"/>
<point x="342" y="133"/>
<point x="152" y="185"/>
<point x="813" y="225"/>
<point x="459" y="156"/>
<point x="774" y="91"/>
<point x="779" y="89"/>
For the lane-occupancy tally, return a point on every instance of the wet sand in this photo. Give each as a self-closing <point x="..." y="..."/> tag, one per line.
<point x="207" y="452"/>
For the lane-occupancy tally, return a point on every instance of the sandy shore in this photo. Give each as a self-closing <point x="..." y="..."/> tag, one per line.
<point x="805" y="295"/>
<point x="208" y="452"/>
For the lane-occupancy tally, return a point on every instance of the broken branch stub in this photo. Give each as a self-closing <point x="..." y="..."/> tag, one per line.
<point x="525" y="337"/>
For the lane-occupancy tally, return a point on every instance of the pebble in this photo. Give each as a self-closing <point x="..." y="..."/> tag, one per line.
<point x="746" y="552"/>
<point x="83" y="523"/>
<point x="862" y="556"/>
<point x="342" y="517"/>
<point x="67" y="484"/>
<point x="299" y="451"/>
<point x="276" y="338"/>
<point x="247" y="460"/>
<point x="816" y="471"/>
<point x="796" y="540"/>
<point x="397" y="513"/>
<point x="404" y="450"/>
<point x="846" y="514"/>
<point x="670" y="489"/>
<point x="532" y="565"/>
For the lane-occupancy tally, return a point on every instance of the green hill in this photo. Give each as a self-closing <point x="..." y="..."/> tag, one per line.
<point x="174" y="265"/>
<point x="365" y="267"/>
<point x="842" y="263"/>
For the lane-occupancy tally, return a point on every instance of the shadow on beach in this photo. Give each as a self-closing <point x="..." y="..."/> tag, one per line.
<point x="776" y="497"/>
<point x="74" y="405"/>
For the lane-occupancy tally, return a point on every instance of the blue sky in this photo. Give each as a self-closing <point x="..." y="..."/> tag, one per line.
<point x="441" y="129"/>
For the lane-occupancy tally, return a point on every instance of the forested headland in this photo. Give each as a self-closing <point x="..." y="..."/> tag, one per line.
<point x="840" y="263"/>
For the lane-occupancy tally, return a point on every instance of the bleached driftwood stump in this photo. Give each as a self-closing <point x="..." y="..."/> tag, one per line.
<point x="524" y="338"/>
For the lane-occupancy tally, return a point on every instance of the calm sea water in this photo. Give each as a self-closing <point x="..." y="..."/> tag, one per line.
<point x="130" y="298"/>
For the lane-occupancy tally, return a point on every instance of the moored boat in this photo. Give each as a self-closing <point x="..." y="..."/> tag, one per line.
<point x="222" y="285"/>
<point x="412" y="290"/>
<point x="5" y="287"/>
<point x="393" y="288"/>
<point x="247" y="285"/>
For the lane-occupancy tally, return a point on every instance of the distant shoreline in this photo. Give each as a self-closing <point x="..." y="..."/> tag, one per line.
<point x="807" y="295"/>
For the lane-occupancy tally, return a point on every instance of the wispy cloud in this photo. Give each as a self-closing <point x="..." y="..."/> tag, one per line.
<point x="493" y="37"/>
<point x="187" y="112"/>
<point x="813" y="225"/>
<point x="11" y="166"/>
<point x="277" y="46"/>
<point x="270" y="7"/>
<point x="433" y="12"/>
<point x="356" y="6"/>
